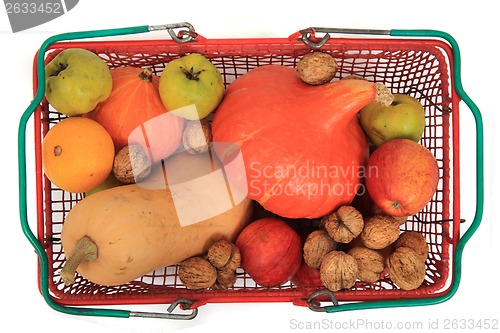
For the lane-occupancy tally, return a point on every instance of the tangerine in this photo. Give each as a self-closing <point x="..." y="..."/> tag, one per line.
<point x="77" y="154"/>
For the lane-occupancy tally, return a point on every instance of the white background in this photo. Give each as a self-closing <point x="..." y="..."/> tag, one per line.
<point x="473" y="24"/>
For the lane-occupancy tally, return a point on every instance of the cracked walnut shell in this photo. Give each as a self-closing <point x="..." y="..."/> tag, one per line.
<point x="370" y="263"/>
<point x="197" y="273"/>
<point x="405" y="268"/>
<point x="343" y="225"/>
<point x="317" y="244"/>
<point x="380" y="231"/>
<point x="338" y="270"/>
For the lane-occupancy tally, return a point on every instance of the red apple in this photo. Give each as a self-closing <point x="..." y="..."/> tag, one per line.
<point x="306" y="276"/>
<point x="401" y="177"/>
<point x="271" y="251"/>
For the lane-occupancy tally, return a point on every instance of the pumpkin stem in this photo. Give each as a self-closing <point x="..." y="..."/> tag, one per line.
<point x="146" y="75"/>
<point x="85" y="250"/>
<point x="191" y="74"/>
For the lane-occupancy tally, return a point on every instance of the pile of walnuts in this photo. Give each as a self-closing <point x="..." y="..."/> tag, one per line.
<point x="215" y="270"/>
<point x="347" y="248"/>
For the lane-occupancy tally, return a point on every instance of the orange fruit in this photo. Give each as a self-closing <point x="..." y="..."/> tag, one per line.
<point x="77" y="154"/>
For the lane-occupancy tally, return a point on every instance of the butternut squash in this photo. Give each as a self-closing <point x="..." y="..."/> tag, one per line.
<point x="119" y="234"/>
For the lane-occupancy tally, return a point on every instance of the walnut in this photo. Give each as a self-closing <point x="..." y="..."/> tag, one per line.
<point x="386" y="251"/>
<point x="343" y="225"/>
<point x="338" y="270"/>
<point x="317" y="244"/>
<point x="370" y="263"/>
<point x="353" y="77"/>
<point x="401" y="219"/>
<point x="317" y="68"/>
<point x="406" y="268"/>
<point x="415" y="241"/>
<point x="384" y="95"/>
<point x="197" y="136"/>
<point x="235" y="261"/>
<point x="226" y="278"/>
<point x="380" y="231"/>
<point x="131" y="164"/>
<point x="219" y="253"/>
<point x="226" y="258"/>
<point x="197" y="273"/>
<point x="224" y="254"/>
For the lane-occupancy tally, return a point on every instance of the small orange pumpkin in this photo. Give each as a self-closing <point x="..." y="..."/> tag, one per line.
<point x="134" y="113"/>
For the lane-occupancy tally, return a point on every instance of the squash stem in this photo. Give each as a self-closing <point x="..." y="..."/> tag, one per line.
<point x="146" y="75"/>
<point x="85" y="250"/>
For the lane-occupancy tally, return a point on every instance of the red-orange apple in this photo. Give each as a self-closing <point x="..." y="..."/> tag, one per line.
<point x="271" y="251"/>
<point x="401" y="177"/>
<point x="306" y="276"/>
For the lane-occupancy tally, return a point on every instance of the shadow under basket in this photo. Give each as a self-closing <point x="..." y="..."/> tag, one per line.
<point x="421" y="66"/>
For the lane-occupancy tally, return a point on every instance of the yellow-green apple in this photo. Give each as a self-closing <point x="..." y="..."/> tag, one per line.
<point x="109" y="182"/>
<point x="404" y="118"/>
<point x="401" y="177"/>
<point x="191" y="86"/>
<point x="76" y="80"/>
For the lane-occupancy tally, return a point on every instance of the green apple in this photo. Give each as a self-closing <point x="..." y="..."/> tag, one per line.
<point x="403" y="119"/>
<point x="191" y="87"/>
<point x="76" y="80"/>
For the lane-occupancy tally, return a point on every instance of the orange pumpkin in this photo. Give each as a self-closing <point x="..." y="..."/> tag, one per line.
<point x="134" y="113"/>
<point x="303" y="147"/>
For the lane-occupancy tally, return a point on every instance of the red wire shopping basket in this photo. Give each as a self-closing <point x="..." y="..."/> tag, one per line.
<point x="422" y="67"/>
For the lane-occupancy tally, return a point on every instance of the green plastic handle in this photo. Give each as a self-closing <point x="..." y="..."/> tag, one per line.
<point x="22" y="169"/>
<point x="457" y="267"/>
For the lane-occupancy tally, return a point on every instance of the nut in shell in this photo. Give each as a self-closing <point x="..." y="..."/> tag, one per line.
<point x="197" y="136"/>
<point x="370" y="263"/>
<point x="380" y="231"/>
<point x="401" y="219"/>
<point x="317" y="68"/>
<point x="317" y="244"/>
<point x="234" y="261"/>
<point x="219" y="254"/>
<point x="197" y="273"/>
<point x="226" y="278"/>
<point x="343" y="225"/>
<point x="384" y="95"/>
<point x="353" y="77"/>
<point x="338" y="270"/>
<point x="406" y="268"/>
<point x="415" y="241"/>
<point x="131" y="164"/>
